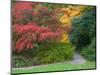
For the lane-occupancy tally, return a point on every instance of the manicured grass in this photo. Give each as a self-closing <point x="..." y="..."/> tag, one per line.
<point x="56" y="67"/>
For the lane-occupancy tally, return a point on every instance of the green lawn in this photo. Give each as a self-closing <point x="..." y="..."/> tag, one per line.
<point x="56" y="67"/>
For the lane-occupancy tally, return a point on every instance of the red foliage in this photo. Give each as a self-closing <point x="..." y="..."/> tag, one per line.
<point x="21" y="7"/>
<point x="23" y="43"/>
<point x="23" y="10"/>
<point x="20" y="29"/>
<point x="30" y="34"/>
<point x="48" y="35"/>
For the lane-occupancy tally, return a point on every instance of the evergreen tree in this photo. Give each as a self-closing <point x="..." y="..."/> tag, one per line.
<point x="84" y="28"/>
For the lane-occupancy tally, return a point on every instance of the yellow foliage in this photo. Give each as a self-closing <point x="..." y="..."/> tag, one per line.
<point x="65" y="19"/>
<point x="72" y="11"/>
<point x="66" y="11"/>
<point x="65" y="38"/>
<point x="69" y="12"/>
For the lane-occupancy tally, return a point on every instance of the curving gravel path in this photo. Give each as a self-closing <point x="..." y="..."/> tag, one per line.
<point x="77" y="59"/>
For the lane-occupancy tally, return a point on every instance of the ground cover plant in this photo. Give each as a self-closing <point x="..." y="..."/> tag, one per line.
<point x="49" y="33"/>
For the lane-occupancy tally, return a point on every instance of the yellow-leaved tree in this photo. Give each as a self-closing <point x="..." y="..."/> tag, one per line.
<point x="68" y="14"/>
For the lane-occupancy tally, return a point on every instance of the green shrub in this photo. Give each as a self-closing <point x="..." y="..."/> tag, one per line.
<point x="20" y="61"/>
<point x="89" y="52"/>
<point x="55" y="52"/>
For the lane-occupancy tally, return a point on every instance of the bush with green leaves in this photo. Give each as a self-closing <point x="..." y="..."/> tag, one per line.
<point x="89" y="52"/>
<point x="55" y="52"/>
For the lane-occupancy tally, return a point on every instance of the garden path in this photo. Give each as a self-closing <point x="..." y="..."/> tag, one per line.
<point x="77" y="59"/>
